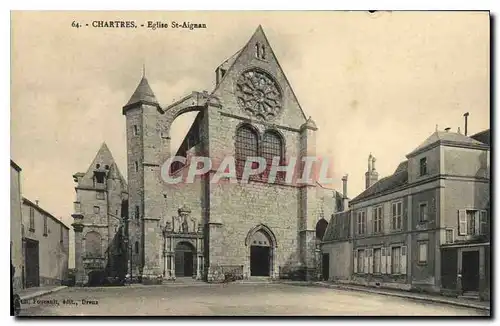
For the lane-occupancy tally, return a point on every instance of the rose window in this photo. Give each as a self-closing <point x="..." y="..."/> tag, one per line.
<point x="258" y="94"/>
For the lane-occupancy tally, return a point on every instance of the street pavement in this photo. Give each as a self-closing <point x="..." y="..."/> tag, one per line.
<point x="230" y="300"/>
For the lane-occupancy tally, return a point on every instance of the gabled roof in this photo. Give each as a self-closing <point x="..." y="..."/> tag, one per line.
<point x="143" y="94"/>
<point x="103" y="158"/>
<point x="483" y="136"/>
<point x="258" y="34"/>
<point x="396" y="180"/>
<point x="445" y="137"/>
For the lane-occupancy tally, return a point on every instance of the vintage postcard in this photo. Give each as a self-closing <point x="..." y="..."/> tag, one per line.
<point x="170" y="163"/>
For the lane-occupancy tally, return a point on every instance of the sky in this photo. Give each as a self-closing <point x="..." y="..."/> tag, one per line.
<point x="373" y="83"/>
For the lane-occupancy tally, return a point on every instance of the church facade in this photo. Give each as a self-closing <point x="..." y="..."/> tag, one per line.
<point x="204" y="229"/>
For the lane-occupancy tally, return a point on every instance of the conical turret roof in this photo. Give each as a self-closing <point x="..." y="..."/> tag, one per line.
<point x="143" y="94"/>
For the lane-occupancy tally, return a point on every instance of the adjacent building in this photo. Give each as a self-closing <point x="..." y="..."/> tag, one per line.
<point x="424" y="227"/>
<point x="39" y="242"/>
<point x="100" y="222"/>
<point x="45" y="245"/>
<point x="16" y="242"/>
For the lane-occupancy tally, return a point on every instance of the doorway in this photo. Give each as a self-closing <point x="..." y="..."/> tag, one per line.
<point x="184" y="260"/>
<point x="470" y="271"/>
<point x="32" y="263"/>
<point x="260" y="261"/>
<point x="326" y="267"/>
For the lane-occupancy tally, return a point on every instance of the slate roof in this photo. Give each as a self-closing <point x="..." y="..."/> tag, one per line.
<point x="450" y="137"/>
<point x="143" y="93"/>
<point x="483" y="136"/>
<point x="338" y="227"/>
<point x="398" y="179"/>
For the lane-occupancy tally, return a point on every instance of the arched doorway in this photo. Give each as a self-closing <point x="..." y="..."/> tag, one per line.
<point x="262" y="245"/>
<point x="185" y="262"/>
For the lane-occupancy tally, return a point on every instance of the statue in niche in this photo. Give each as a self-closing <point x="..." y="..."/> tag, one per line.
<point x="184" y="216"/>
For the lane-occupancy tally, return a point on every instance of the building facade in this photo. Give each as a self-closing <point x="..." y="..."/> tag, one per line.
<point x="45" y="246"/>
<point x="424" y="227"/>
<point x="16" y="238"/>
<point x="100" y="217"/>
<point x="204" y="229"/>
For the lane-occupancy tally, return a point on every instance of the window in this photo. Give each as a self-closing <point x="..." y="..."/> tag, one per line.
<point x="32" y="219"/>
<point x="246" y="146"/>
<point x="61" y="234"/>
<point x="449" y="234"/>
<point x="222" y="73"/>
<point x="423" y="166"/>
<point x="397" y="209"/>
<point x="377" y="260"/>
<point x="136" y="247"/>
<point x="472" y="222"/>
<point x="136" y="166"/>
<point x="136" y="130"/>
<point x="136" y="211"/>
<point x="45" y="225"/>
<point x="377" y="219"/>
<point x="361" y="222"/>
<point x="260" y="51"/>
<point x="272" y="146"/>
<point x="422" y="252"/>
<point x="246" y="143"/>
<point x="361" y="261"/>
<point x="396" y="260"/>
<point x="471" y="219"/>
<point x="99" y="195"/>
<point x="422" y="212"/>
<point x="96" y="209"/>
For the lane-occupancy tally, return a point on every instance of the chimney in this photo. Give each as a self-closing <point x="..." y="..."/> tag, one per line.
<point x="345" y="201"/>
<point x="36" y="202"/>
<point x="466" y="114"/>
<point x="371" y="176"/>
<point x="447" y="129"/>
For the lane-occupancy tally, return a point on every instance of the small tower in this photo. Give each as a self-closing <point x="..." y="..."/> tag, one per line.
<point x="144" y="144"/>
<point x="371" y="175"/>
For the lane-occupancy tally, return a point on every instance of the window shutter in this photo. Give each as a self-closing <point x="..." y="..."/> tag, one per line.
<point x="382" y="260"/>
<point x="355" y="265"/>
<point x="462" y="222"/>
<point x="388" y="259"/>
<point x="403" y="259"/>
<point x="365" y="265"/>
<point x="370" y="261"/>
<point x="483" y="222"/>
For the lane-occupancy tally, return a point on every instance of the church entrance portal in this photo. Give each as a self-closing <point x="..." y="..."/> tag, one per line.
<point x="260" y="254"/>
<point x="185" y="262"/>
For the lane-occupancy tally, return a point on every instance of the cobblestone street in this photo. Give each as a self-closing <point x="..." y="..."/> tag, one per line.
<point x="231" y="300"/>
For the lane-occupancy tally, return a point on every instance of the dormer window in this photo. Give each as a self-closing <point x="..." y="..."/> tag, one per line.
<point x="423" y="166"/>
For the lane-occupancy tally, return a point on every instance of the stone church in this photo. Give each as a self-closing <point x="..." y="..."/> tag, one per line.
<point x="205" y="229"/>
